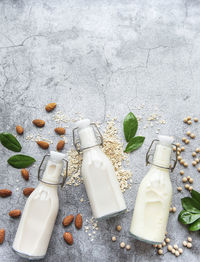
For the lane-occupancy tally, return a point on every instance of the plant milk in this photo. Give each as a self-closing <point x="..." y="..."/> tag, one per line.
<point x="154" y="197"/>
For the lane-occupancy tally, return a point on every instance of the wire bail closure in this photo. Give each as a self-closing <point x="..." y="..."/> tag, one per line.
<point x="76" y="141"/>
<point x="171" y="167"/>
<point x="53" y="184"/>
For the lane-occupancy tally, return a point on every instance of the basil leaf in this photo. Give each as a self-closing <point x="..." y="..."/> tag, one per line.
<point x="20" y="161"/>
<point x="10" y="142"/>
<point x="130" y="126"/>
<point x="134" y="143"/>
<point x="186" y="217"/>
<point x="196" y="196"/>
<point x="190" y="205"/>
<point x="195" y="226"/>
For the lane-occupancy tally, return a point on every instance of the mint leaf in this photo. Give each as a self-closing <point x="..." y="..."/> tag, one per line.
<point x="130" y="126"/>
<point x="186" y="217"/>
<point x="20" y="161"/>
<point x="134" y="143"/>
<point x="195" y="226"/>
<point x="10" y="142"/>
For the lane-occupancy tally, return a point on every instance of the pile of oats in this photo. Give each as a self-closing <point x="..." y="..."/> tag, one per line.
<point x="74" y="168"/>
<point x="113" y="148"/>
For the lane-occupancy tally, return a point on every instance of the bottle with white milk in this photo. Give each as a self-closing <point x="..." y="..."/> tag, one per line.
<point x="98" y="173"/>
<point x="154" y="196"/>
<point x="40" y="212"/>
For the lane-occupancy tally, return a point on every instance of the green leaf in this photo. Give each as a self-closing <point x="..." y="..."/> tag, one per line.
<point x="134" y="143"/>
<point x="190" y="205"/>
<point x="195" y="226"/>
<point x="196" y="196"/>
<point x="130" y="126"/>
<point x="10" y="142"/>
<point x="186" y="217"/>
<point x="20" y="161"/>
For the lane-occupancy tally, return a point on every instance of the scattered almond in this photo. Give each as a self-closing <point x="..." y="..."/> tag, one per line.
<point x="38" y="122"/>
<point x="15" y="213"/>
<point x="78" y="221"/>
<point x="25" y="174"/>
<point x="5" y="192"/>
<point x="68" y="220"/>
<point x="68" y="238"/>
<point x="2" y="235"/>
<point x="60" y="145"/>
<point x="43" y="144"/>
<point x="28" y="190"/>
<point x="19" y="130"/>
<point x="50" y="107"/>
<point x="60" y="130"/>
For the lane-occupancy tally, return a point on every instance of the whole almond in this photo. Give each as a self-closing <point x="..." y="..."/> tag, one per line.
<point x="60" y="130"/>
<point x="43" y="144"/>
<point x="19" y="130"/>
<point x="38" y="122"/>
<point x="5" y="192"/>
<point x="68" y="238"/>
<point x="28" y="190"/>
<point x="15" y="213"/>
<point x="50" y="107"/>
<point x="25" y="174"/>
<point x="60" y="145"/>
<point x="2" y="235"/>
<point x="78" y="221"/>
<point x="68" y="220"/>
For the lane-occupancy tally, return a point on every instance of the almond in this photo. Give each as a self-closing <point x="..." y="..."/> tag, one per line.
<point x="60" y="145"/>
<point x="19" y="130"/>
<point x="15" y="213"/>
<point x="60" y="130"/>
<point x="43" y="144"/>
<point x="78" y="221"/>
<point x="50" y="107"/>
<point x="68" y="220"/>
<point x="5" y="192"/>
<point x="38" y="122"/>
<point x="28" y="190"/>
<point x="25" y="174"/>
<point x="68" y="238"/>
<point x="2" y="235"/>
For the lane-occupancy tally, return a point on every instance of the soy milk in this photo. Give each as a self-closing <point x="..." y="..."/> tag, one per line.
<point x="154" y="197"/>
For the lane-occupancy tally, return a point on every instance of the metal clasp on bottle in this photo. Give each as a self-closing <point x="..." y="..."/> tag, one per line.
<point x="53" y="184"/>
<point x="76" y="140"/>
<point x="148" y="154"/>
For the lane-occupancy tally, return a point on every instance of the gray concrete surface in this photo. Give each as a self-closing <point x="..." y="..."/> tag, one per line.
<point x="98" y="58"/>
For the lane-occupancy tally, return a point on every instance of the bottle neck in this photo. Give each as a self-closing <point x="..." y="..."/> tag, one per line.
<point x="52" y="172"/>
<point x="162" y="156"/>
<point x="87" y="137"/>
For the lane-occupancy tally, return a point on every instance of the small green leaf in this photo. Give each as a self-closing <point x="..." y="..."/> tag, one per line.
<point x="195" y="226"/>
<point x="134" y="143"/>
<point x="10" y="142"/>
<point x="20" y="161"/>
<point x="130" y="126"/>
<point x="190" y="205"/>
<point x="186" y="217"/>
<point x="196" y="196"/>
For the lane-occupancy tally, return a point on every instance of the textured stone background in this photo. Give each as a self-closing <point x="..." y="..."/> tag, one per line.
<point x="98" y="58"/>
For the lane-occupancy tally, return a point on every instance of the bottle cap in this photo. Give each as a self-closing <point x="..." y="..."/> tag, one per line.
<point x="165" y="140"/>
<point x="82" y="123"/>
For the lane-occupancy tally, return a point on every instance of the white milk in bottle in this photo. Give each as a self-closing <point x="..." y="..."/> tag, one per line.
<point x="99" y="177"/>
<point x="154" y="197"/>
<point x="40" y="212"/>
